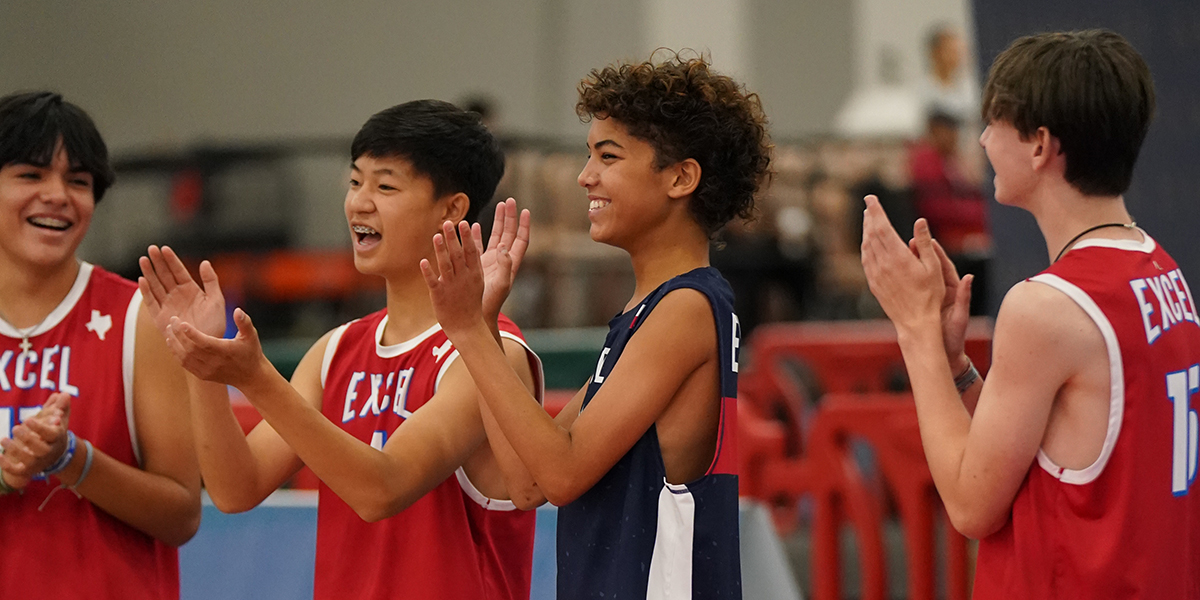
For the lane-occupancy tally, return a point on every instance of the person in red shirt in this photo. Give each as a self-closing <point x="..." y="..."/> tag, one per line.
<point x="1075" y="462"/>
<point x="412" y="504"/>
<point x="75" y="340"/>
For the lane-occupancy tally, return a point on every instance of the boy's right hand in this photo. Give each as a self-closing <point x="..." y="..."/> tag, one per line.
<point x="168" y="290"/>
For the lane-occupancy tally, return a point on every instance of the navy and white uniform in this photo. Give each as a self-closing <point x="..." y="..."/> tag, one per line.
<point x="633" y="535"/>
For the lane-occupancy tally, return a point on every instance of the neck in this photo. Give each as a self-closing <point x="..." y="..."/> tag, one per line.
<point x="673" y="250"/>
<point x="944" y="75"/>
<point x="28" y="292"/>
<point x="1064" y="213"/>
<point x="410" y="311"/>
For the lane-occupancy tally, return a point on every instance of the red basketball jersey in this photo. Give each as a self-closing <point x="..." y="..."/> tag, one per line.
<point x="71" y="548"/>
<point x="453" y="542"/>
<point x="1128" y="526"/>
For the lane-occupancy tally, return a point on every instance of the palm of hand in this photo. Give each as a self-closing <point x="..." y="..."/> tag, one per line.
<point x="191" y="304"/>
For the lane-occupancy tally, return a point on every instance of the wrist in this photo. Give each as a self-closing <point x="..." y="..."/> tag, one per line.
<point x="63" y="460"/>
<point x="959" y="364"/>
<point x="71" y="474"/>
<point x="7" y="487"/>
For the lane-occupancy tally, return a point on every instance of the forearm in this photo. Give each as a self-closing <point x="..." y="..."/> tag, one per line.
<point x="943" y="418"/>
<point x="372" y="482"/>
<point x="543" y="447"/>
<point x="522" y="489"/>
<point x="233" y="475"/>
<point x="157" y="505"/>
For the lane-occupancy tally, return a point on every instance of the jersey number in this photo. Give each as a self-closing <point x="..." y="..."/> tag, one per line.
<point x="7" y="422"/>
<point x="1181" y="385"/>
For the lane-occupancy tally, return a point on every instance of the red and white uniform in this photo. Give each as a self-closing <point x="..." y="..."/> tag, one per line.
<point x="1128" y="526"/>
<point x="71" y="548"/>
<point x="453" y="542"/>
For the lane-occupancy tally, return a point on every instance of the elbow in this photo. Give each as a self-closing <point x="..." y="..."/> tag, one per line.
<point x="231" y="504"/>
<point x="562" y="491"/>
<point x="373" y="512"/>
<point x="380" y="502"/>
<point x="976" y="522"/>
<point x="184" y="533"/>
<point x="529" y="500"/>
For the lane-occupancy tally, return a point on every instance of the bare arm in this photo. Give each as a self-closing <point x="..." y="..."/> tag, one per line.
<point x="567" y="462"/>
<point x="977" y="462"/>
<point x="162" y="499"/>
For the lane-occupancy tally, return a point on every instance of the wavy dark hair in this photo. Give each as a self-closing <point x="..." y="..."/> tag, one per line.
<point x="685" y="110"/>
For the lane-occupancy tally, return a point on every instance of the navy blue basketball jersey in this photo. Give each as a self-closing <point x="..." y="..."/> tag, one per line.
<point x="633" y="535"/>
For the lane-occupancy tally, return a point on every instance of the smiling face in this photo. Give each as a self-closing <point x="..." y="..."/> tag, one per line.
<point x="44" y="212"/>
<point x="627" y="193"/>
<point x="393" y="214"/>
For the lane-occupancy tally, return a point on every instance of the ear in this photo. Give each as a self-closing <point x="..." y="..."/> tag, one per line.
<point x="454" y="208"/>
<point x="1046" y="148"/>
<point x="685" y="176"/>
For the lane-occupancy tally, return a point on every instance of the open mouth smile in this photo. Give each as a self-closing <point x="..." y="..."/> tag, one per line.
<point x="51" y="223"/>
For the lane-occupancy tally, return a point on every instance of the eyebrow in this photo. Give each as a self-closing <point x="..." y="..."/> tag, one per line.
<point x="375" y="172"/>
<point x="600" y="143"/>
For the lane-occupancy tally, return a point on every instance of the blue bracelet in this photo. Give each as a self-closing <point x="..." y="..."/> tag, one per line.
<point x="62" y="461"/>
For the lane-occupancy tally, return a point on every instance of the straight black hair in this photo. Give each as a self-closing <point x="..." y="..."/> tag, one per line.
<point x="448" y="145"/>
<point x="33" y="123"/>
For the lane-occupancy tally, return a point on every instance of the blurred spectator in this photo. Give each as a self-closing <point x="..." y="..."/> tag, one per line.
<point x="946" y="89"/>
<point x="840" y="282"/>
<point x="952" y="203"/>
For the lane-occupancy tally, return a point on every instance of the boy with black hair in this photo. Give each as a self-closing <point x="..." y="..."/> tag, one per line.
<point x="89" y="399"/>
<point x="379" y="408"/>
<point x="1074" y="462"/>
<point x="642" y="460"/>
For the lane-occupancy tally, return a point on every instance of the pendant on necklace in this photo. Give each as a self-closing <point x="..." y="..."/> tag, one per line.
<point x="25" y="345"/>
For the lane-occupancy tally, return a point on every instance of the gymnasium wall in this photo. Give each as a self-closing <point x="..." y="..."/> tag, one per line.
<point x="1165" y="195"/>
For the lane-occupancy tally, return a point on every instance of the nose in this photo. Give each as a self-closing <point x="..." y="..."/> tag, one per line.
<point x="359" y="201"/>
<point x="588" y="176"/>
<point x="54" y="189"/>
<point x="983" y="136"/>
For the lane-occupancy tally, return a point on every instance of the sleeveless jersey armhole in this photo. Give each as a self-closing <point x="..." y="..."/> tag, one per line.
<point x="1116" y="401"/>
<point x="330" y="350"/>
<point x="128" y="357"/>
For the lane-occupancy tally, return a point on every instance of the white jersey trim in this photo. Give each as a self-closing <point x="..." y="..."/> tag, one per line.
<point x="330" y="349"/>
<point x="397" y="349"/>
<point x="437" y="383"/>
<point x="1116" y="400"/>
<point x="128" y="358"/>
<point x="671" y="564"/>
<point x="60" y="312"/>
<point x="1147" y="244"/>
<point x="473" y="493"/>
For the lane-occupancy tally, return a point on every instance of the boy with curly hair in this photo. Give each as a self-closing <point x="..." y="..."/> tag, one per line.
<point x="642" y="460"/>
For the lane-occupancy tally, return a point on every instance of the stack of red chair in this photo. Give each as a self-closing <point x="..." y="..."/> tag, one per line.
<point x="811" y="391"/>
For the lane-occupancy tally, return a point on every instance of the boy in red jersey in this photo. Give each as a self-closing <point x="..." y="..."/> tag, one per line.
<point x="73" y="338"/>
<point x="1074" y="461"/>
<point x="642" y="460"/>
<point x="411" y="502"/>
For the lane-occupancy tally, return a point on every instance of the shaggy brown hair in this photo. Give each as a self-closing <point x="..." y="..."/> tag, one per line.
<point x="1091" y="89"/>
<point x="684" y="110"/>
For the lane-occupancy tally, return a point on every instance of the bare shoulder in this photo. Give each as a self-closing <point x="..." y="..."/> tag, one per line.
<point x="1038" y="323"/>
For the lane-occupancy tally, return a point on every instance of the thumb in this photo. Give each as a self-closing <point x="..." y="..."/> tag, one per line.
<point x="245" y="326"/>
<point x="962" y="299"/>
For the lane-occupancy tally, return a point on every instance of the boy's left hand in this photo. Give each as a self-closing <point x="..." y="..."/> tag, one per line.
<point x="909" y="284"/>
<point x="501" y="260"/>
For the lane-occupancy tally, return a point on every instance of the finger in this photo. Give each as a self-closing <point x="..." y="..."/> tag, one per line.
<point x="925" y="250"/>
<point x="470" y="253"/>
<point x="431" y="278"/>
<point x="498" y="225"/>
<point x="477" y="235"/>
<point x="876" y="221"/>
<point x="208" y="276"/>
<point x="442" y="255"/>
<point x="45" y="430"/>
<point x="949" y="273"/>
<point x="178" y="271"/>
<point x="175" y="345"/>
<point x="35" y="446"/>
<point x="154" y="283"/>
<point x="510" y="223"/>
<point x="517" y="250"/>
<point x="161" y="269"/>
<point x="453" y="247"/>
<point x="148" y="296"/>
<point x="61" y="401"/>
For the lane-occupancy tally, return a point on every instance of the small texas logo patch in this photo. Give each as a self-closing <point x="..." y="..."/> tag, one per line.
<point x="100" y="324"/>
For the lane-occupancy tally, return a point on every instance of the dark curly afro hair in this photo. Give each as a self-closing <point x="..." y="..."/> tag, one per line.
<point x="685" y="110"/>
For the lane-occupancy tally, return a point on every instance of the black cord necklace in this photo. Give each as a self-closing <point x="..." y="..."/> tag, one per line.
<point x="1089" y="230"/>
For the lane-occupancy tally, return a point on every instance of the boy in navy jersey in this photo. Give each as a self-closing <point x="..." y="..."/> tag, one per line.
<point x="411" y="502"/>
<point x="1075" y="461"/>
<point x="641" y="461"/>
<point x="73" y="338"/>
